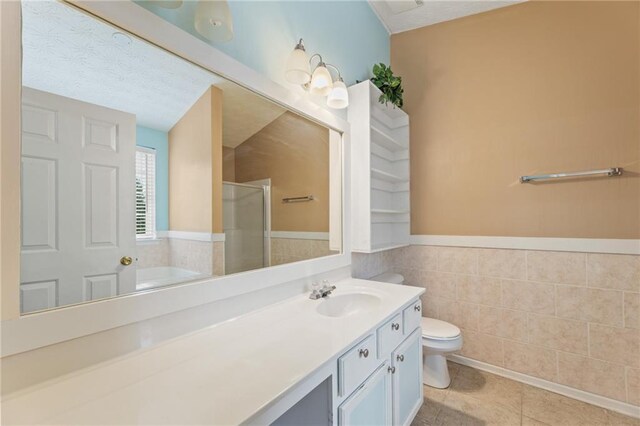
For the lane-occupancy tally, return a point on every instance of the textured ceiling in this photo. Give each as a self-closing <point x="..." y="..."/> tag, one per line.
<point x="430" y="12"/>
<point x="71" y="54"/>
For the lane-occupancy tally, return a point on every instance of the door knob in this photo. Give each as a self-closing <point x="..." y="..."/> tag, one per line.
<point x="126" y="260"/>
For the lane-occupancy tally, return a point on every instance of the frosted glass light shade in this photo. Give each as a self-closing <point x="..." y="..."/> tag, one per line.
<point x="213" y="20"/>
<point x="339" y="96"/>
<point x="298" y="70"/>
<point x="321" y="82"/>
<point x="167" y="4"/>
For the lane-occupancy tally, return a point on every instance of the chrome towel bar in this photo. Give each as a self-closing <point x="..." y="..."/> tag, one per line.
<point x="298" y="199"/>
<point x="613" y="171"/>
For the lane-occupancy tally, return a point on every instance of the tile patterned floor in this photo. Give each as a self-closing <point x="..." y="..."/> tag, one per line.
<point x="479" y="398"/>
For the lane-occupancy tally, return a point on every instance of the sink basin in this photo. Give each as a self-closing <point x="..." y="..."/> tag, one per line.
<point x="343" y="305"/>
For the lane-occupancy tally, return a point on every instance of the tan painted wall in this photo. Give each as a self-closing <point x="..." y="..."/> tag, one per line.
<point x="531" y="88"/>
<point x="10" y="107"/>
<point x="294" y="153"/>
<point x="228" y="164"/>
<point x="195" y="167"/>
<point x="216" y="158"/>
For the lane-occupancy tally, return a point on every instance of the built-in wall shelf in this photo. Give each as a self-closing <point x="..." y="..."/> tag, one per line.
<point x="390" y="188"/>
<point x="387" y="158"/>
<point x="382" y="175"/>
<point x="390" y="115"/>
<point x="386" y="211"/>
<point x="379" y="171"/>
<point x="384" y="140"/>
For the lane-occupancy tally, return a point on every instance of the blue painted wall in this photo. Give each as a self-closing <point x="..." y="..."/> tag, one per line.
<point x="347" y="33"/>
<point x="158" y="140"/>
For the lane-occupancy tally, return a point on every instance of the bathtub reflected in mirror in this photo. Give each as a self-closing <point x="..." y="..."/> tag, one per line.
<point x="141" y="170"/>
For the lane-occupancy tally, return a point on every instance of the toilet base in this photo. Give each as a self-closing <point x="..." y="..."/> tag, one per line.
<point x="435" y="372"/>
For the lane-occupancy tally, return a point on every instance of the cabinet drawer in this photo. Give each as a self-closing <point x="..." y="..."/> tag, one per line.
<point x="356" y="365"/>
<point x="389" y="336"/>
<point x="412" y="316"/>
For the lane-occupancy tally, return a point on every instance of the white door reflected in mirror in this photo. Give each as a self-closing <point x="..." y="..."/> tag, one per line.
<point x="77" y="201"/>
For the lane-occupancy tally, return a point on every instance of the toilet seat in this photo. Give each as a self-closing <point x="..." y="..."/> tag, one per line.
<point x="434" y="329"/>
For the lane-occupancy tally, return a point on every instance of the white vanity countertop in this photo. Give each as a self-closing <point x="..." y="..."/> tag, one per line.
<point x="223" y="374"/>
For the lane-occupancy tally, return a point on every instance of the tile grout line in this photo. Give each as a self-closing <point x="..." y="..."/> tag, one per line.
<point x="588" y="339"/>
<point x="626" y="384"/>
<point x="624" y="313"/>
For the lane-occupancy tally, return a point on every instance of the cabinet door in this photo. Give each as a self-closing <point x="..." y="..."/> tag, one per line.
<point x="370" y="404"/>
<point x="407" y="379"/>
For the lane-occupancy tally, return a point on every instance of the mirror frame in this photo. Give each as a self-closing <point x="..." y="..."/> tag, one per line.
<point x="23" y="333"/>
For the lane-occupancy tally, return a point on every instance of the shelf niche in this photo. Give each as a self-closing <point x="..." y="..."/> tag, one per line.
<point x="379" y="171"/>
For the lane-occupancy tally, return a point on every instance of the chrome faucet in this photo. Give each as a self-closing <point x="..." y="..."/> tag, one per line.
<point x="318" y="292"/>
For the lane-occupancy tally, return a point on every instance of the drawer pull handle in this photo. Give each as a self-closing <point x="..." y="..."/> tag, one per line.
<point x="416" y="308"/>
<point x="364" y="352"/>
<point x="391" y="370"/>
<point x="395" y="326"/>
<point x="400" y="358"/>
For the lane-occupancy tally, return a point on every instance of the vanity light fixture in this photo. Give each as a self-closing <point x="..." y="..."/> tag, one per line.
<point x="319" y="82"/>
<point x="339" y="96"/>
<point x="298" y="67"/>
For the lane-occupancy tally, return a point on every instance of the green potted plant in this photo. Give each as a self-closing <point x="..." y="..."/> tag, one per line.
<point x="390" y="85"/>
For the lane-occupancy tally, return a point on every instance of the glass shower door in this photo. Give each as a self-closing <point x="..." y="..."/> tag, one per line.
<point x="244" y="227"/>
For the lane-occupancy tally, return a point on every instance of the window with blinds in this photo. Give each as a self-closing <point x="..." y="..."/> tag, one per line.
<point x="145" y="193"/>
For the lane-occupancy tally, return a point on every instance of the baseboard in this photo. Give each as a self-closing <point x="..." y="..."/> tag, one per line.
<point x="600" y="401"/>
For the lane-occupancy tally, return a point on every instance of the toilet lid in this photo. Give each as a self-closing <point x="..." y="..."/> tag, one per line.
<point x="436" y="329"/>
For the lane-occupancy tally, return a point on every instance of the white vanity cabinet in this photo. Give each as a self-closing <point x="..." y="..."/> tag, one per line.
<point x="389" y="389"/>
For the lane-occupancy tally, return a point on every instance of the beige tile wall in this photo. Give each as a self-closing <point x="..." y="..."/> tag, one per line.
<point x="368" y="265"/>
<point x="570" y="318"/>
<point x="287" y="250"/>
<point x="151" y="254"/>
<point x="199" y="256"/>
<point x="218" y="258"/>
<point x="193" y="255"/>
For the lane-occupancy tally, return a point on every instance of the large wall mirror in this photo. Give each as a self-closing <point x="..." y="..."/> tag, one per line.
<point x="141" y="170"/>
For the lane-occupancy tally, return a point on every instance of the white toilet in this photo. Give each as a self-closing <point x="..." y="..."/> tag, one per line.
<point x="439" y="338"/>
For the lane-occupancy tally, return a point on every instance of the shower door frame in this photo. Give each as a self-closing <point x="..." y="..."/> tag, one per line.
<point x="266" y="215"/>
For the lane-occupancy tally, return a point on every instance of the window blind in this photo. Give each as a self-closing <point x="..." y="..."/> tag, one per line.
<point x="145" y="193"/>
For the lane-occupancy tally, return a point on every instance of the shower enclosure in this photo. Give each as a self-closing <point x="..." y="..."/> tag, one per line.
<point x="247" y="225"/>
